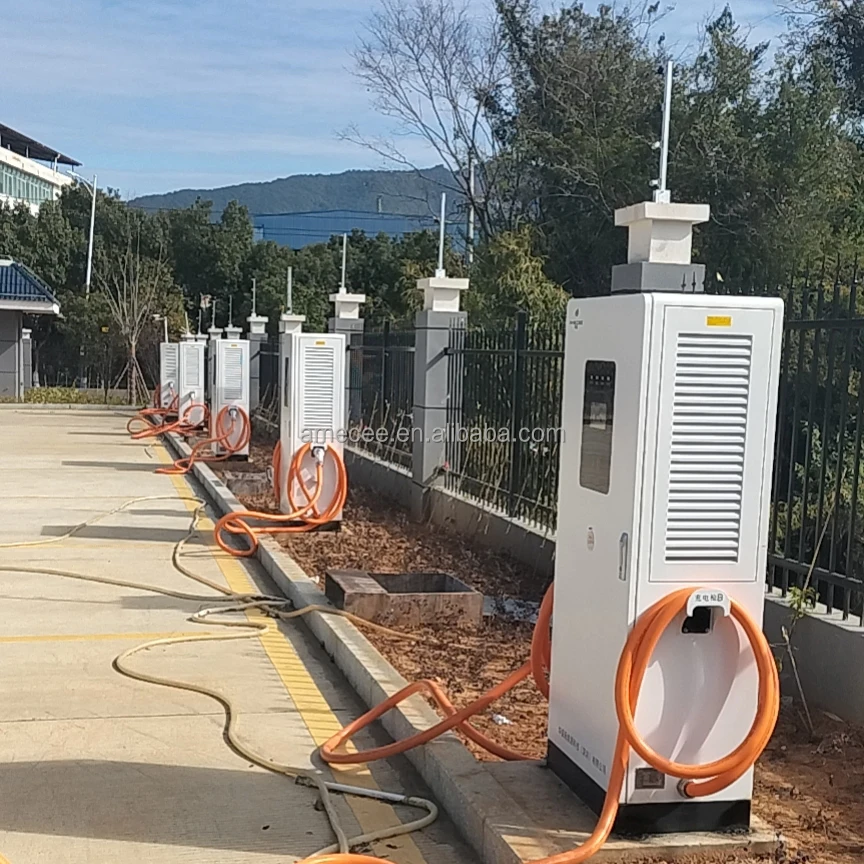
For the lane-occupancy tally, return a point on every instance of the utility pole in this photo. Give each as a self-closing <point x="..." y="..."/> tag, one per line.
<point x="90" y="245"/>
<point x="82" y="383"/>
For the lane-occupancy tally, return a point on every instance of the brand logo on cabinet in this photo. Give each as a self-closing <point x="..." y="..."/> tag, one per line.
<point x="576" y="322"/>
<point x="590" y="539"/>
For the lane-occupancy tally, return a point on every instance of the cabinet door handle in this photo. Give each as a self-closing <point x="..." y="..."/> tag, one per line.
<point x="623" y="555"/>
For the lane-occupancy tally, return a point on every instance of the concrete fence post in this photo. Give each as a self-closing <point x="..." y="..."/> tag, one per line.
<point x="257" y="337"/>
<point x="433" y="390"/>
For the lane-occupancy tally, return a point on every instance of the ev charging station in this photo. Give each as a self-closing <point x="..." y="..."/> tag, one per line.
<point x="312" y="412"/>
<point x="169" y="370"/>
<point x="312" y="371"/>
<point x="229" y="390"/>
<point x="670" y="398"/>
<point x="192" y="376"/>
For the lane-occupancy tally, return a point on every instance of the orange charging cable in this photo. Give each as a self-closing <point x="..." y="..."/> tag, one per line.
<point x="304" y="516"/>
<point x="181" y="425"/>
<point x="156" y="411"/>
<point x="696" y="780"/>
<point x="225" y="434"/>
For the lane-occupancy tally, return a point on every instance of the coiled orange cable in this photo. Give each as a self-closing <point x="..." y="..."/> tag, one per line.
<point x="223" y="435"/>
<point x="697" y="780"/>
<point x="155" y="411"/>
<point x="181" y="425"/>
<point x="307" y="513"/>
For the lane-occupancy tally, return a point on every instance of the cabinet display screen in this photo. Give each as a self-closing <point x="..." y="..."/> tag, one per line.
<point x="598" y="413"/>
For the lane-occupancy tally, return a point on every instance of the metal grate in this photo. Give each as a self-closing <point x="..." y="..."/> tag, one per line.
<point x="319" y="366"/>
<point x="232" y="374"/>
<point x="709" y="430"/>
<point x="193" y="367"/>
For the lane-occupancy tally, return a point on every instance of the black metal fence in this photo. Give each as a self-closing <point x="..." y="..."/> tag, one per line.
<point x="381" y="370"/>
<point x="504" y="418"/>
<point x="816" y="532"/>
<point x="268" y="383"/>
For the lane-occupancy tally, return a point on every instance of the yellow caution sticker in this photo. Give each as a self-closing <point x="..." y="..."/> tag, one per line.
<point x="719" y="320"/>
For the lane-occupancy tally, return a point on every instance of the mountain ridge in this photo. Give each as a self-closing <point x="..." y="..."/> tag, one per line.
<point x="409" y="193"/>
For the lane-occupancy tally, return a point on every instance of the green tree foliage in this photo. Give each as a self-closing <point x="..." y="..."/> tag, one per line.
<point x="180" y="256"/>
<point x="508" y="278"/>
<point x="835" y="29"/>
<point x="766" y="144"/>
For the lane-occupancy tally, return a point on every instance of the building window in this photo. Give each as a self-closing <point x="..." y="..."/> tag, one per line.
<point x="24" y="187"/>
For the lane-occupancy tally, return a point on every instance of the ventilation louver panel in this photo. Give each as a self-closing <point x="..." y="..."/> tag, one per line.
<point x="709" y="431"/>
<point x="319" y="367"/>
<point x="193" y="368"/>
<point x="232" y="387"/>
<point x="169" y="367"/>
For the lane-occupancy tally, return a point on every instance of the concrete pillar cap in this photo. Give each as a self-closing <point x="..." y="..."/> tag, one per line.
<point x="257" y="324"/>
<point x="660" y="232"/>
<point x="289" y="323"/>
<point x="442" y="293"/>
<point x="347" y="305"/>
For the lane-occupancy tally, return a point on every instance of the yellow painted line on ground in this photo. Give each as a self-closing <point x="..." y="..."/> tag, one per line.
<point x="313" y="708"/>
<point x="75" y="543"/>
<point x="94" y="637"/>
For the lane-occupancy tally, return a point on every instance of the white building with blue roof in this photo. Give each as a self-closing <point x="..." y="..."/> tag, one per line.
<point x="22" y="293"/>
<point x="29" y="171"/>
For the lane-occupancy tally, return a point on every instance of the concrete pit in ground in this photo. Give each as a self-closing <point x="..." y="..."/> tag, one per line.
<point x="405" y="599"/>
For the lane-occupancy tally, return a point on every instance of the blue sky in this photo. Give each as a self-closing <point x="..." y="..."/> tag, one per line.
<point x="156" y="95"/>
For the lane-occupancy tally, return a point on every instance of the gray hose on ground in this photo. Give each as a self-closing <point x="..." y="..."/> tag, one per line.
<point x="266" y="604"/>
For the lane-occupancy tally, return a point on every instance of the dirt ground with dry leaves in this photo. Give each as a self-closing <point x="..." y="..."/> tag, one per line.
<point x="810" y="789"/>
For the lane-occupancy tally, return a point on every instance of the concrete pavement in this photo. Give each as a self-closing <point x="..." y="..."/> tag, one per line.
<point x="95" y="767"/>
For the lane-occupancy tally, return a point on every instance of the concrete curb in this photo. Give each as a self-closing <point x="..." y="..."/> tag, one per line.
<point x="497" y="827"/>
<point x="473" y="799"/>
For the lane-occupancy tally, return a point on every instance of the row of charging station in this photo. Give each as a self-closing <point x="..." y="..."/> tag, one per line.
<point x="669" y="404"/>
<point x="312" y="396"/>
<point x="197" y="379"/>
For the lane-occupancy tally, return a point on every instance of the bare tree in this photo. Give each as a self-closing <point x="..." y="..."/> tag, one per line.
<point x="132" y="285"/>
<point x="441" y="74"/>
